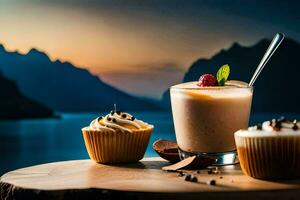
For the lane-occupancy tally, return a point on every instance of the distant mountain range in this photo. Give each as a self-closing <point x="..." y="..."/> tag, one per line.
<point x="62" y="86"/>
<point x="14" y="105"/>
<point x="277" y="87"/>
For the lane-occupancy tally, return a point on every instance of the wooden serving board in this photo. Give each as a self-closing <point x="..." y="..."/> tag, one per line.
<point x="84" y="179"/>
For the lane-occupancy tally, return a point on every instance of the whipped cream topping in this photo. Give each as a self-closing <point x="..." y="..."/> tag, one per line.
<point x="117" y="120"/>
<point x="228" y="84"/>
<point x="232" y="89"/>
<point x="274" y="127"/>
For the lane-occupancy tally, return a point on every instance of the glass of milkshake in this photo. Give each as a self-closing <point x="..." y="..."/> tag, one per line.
<point x="205" y="118"/>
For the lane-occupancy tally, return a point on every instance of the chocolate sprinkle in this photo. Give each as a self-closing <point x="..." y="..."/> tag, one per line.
<point x="181" y="174"/>
<point x="270" y="123"/>
<point x="259" y="127"/>
<point x="211" y="182"/>
<point x="188" y="177"/>
<point x="275" y="124"/>
<point x="194" y="179"/>
<point x="295" y="126"/>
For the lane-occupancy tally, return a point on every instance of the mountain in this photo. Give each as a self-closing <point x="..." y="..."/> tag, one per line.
<point x="14" y="105"/>
<point x="277" y="87"/>
<point x="62" y="86"/>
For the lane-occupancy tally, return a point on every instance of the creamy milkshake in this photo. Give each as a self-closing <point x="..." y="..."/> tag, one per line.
<point x="205" y="118"/>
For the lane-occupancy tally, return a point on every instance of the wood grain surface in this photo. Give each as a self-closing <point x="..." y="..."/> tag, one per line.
<point x="84" y="179"/>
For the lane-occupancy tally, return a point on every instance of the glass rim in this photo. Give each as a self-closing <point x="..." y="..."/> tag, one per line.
<point x="231" y="86"/>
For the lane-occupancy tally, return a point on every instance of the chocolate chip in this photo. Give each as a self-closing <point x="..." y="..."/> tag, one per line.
<point x="221" y="177"/>
<point x="108" y="119"/>
<point x="180" y="174"/>
<point x="295" y="127"/>
<point x="114" y="120"/>
<point x="209" y="171"/>
<point x="118" y="112"/>
<point x="124" y="116"/>
<point x="211" y="182"/>
<point x="259" y="126"/>
<point x="198" y="172"/>
<point x="194" y="179"/>
<point x="112" y="112"/>
<point x="216" y="171"/>
<point x="132" y="118"/>
<point x="276" y="125"/>
<point x="99" y="118"/>
<point x="187" y="177"/>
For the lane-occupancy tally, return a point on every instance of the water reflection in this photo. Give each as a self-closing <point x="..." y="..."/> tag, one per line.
<point x="10" y="146"/>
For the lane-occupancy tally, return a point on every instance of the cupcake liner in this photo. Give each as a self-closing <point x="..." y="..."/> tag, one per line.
<point x="115" y="147"/>
<point x="269" y="157"/>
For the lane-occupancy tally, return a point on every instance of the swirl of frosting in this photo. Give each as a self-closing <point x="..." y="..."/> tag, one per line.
<point x="274" y="127"/>
<point x="277" y="125"/>
<point x="117" y="120"/>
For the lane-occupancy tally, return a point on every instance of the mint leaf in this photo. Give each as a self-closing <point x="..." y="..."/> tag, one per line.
<point x="223" y="74"/>
<point x="221" y="82"/>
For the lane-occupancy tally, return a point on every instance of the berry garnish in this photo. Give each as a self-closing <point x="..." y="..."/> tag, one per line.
<point x="207" y="80"/>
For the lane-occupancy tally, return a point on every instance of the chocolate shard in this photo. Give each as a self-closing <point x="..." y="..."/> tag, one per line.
<point x="193" y="162"/>
<point x="166" y="149"/>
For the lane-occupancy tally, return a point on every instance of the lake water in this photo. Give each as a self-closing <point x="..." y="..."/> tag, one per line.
<point x="29" y="142"/>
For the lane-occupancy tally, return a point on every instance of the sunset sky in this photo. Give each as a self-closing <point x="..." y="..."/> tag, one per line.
<point x="142" y="47"/>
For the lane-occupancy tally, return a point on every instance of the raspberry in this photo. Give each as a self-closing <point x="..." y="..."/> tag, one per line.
<point x="207" y="80"/>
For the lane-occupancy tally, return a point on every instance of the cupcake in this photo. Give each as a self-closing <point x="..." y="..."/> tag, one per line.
<point x="117" y="137"/>
<point x="270" y="150"/>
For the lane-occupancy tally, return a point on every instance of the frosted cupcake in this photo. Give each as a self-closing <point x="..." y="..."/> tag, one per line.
<point x="117" y="137"/>
<point x="270" y="150"/>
